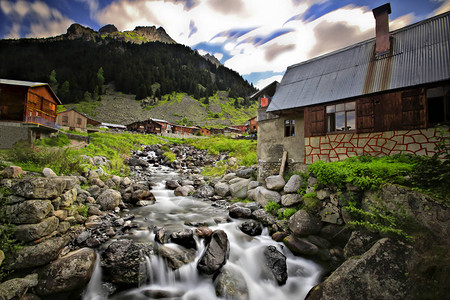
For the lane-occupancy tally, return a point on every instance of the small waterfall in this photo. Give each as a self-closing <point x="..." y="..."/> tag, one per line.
<point x="94" y="290"/>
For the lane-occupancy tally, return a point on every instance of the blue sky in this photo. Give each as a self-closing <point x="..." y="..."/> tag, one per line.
<point x="257" y="38"/>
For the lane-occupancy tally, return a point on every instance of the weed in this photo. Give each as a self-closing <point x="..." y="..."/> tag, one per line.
<point x="272" y="207"/>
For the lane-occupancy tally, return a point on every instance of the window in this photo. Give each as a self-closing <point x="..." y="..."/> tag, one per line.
<point x="438" y="105"/>
<point x="341" y="117"/>
<point x="78" y="121"/>
<point x="289" y="128"/>
<point x="65" y="119"/>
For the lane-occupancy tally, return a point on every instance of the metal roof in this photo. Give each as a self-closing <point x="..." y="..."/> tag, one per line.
<point x="420" y="54"/>
<point x="29" y="84"/>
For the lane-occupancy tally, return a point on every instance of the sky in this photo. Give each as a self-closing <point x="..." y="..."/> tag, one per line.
<point x="257" y="38"/>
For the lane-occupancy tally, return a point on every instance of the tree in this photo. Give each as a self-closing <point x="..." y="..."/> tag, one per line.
<point x="64" y="91"/>
<point x="52" y="79"/>
<point x="100" y="80"/>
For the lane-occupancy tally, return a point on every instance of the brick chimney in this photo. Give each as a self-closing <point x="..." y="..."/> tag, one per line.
<point x="382" y="28"/>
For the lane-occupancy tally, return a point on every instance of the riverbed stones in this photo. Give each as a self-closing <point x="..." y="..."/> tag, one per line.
<point x="262" y="216"/>
<point x="231" y="284"/>
<point x="251" y="228"/>
<point x="300" y="246"/>
<point x="29" y="212"/>
<point x="31" y="232"/>
<point x="39" y="187"/>
<point x="303" y="223"/>
<point x="222" y="189"/>
<point x="172" y="184"/>
<point x="216" y="253"/>
<point x="275" y="182"/>
<point x="239" y="188"/>
<point x="275" y="263"/>
<point x="109" y="199"/>
<point x="264" y="196"/>
<point x="16" y="288"/>
<point x="184" y="190"/>
<point x="176" y="257"/>
<point x="291" y="199"/>
<point x="67" y="273"/>
<point x="245" y="173"/>
<point x="236" y="211"/>
<point x="204" y="191"/>
<point x="184" y="238"/>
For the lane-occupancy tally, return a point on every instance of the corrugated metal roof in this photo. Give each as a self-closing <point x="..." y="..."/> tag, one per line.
<point x="420" y="54"/>
<point x="21" y="83"/>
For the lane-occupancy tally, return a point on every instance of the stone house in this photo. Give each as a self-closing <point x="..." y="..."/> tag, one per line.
<point x="382" y="96"/>
<point x="27" y="111"/>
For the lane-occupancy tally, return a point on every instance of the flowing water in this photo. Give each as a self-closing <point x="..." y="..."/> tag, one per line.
<point x="246" y="254"/>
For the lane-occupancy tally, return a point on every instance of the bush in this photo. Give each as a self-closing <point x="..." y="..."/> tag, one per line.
<point x="272" y="207"/>
<point x="60" y="140"/>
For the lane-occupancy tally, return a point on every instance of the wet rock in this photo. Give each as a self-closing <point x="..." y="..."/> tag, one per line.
<point x="251" y="228"/>
<point x="47" y="172"/>
<point x="275" y="182"/>
<point x="121" y="261"/>
<point x="160" y="235"/>
<point x="162" y="294"/>
<point x="140" y="195"/>
<point x="203" y="232"/>
<point x="36" y="255"/>
<point x="172" y="184"/>
<point x="134" y="161"/>
<point x="109" y="199"/>
<point x="359" y="242"/>
<point x="262" y="216"/>
<point x="337" y="235"/>
<point x="275" y="262"/>
<point x="293" y="184"/>
<point x="279" y="236"/>
<point x="222" y="189"/>
<point x="380" y="273"/>
<point x="39" y="187"/>
<point x="302" y="223"/>
<point x="264" y="196"/>
<point x="12" y="172"/>
<point x="318" y="241"/>
<point x="204" y="191"/>
<point x="237" y="211"/>
<point x="16" y="288"/>
<point x="291" y="199"/>
<point x="28" y="212"/>
<point x="300" y="246"/>
<point x="239" y="189"/>
<point x="216" y="253"/>
<point x="176" y="257"/>
<point x="231" y="284"/>
<point x="184" y="238"/>
<point x="31" y="232"/>
<point x="184" y="191"/>
<point x="67" y="273"/>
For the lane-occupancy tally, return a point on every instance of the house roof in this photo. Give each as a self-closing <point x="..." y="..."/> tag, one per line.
<point x="420" y="54"/>
<point x="83" y="114"/>
<point x="29" y="84"/>
<point x="272" y="87"/>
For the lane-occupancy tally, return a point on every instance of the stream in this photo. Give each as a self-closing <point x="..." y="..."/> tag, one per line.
<point x="246" y="253"/>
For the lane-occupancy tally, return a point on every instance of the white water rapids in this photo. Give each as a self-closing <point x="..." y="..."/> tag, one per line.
<point x="246" y="254"/>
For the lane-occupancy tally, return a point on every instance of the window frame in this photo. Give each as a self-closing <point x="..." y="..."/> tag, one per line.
<point x="289" y="128"/>
<point x="345" y="109"/>
<point x="444" y="98"/>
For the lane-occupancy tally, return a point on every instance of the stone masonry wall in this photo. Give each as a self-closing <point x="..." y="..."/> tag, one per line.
<point x="11" y="133"/>
<point x="334" y="147"/>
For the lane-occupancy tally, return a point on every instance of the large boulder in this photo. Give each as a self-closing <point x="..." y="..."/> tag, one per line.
<point x="291" y="199"/>
<point x="175" y="257"/>
<point x="293" y="184"/>
<point x="16" y="288"/>
<point x="67" y="273"/>
<point x="239" y="189"/>
<point x="122" y="259"/>
<point x="275" y="262"/>
<point x="245" y="173"/>
<point x="39" y="187"/>
<point x="236" y="211"/>
<point x="359" y="242"/>
<point x="264" y="196"/>
<point x="47" y="172"/>
<point x="31" y="232"/>
<point x="262" y="216"/>
<point x="204" y="191"/>
<point x="275" y="182"/>
<point x="12" y="172"/>
<point x="184" y="238"/>
<point x="184" y="190"/>
<point x="222" y="189"/>
<point x="216" y="253"/>
<point x="251" y="228"/>
<point x="380" y="273"/>
<point x="109" y="199"/>
<point x="231" y="284"/>
<point x="29" y="212"/>
<point x="36" y="255"/>
<point x="134" y="161"/>
<point x="68" y="198"/>
<point x="300" y="246"/>
<point x="172" y="184"/>
<point x="302" y="223"/>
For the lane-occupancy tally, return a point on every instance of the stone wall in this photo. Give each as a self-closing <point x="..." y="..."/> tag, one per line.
<point x="11" y="133"/>
<point x="334" y="147"/>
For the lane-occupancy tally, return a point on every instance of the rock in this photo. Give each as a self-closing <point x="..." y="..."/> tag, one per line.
<point x="176" y="257"/>
<point x="359" y="242"/>
<point x="239" y="211"/>
<point x="12" y="172"/>
<point x="222" y="189"/>
<point x="134" y="161"/>
<point x="2" y="257"/>
<point x="302" y="223"/>
<point x="122" y="259"/>
<point x="231" y="284"/>
<point x="184" y="191"/>
<point x="95" y="191"/>
<point x="322" y="194"/>
<point x="293" y="184"/>
<point x="300" y="246"/>
<point x="63" y="227"/>
<point x="28" y="212"/>
<point x="216" y="253"/>
<point x="68" y="198"/>
<point x="279" y="236"/>
<point x="140" y="195"/>
<point x="98" y="182"/>
<point x="67" y="273"/>
<point x="264" y="196"/>
<point x="337" y="235"/>
<point x="94" y="211"/>
<point x="184" y="238"/>
<point x="318" y="241"/>
<point x="17" y="287"/>
<point x="251" y="228"/>
<point x="172" y="184"/>
<point x="291" y="199"/>
<point x="275" y="182"/>
<point x="160" y="235"/>
<point x="126" y="182"/>
<point x="203" y="231"/>
<point x="330" y="214"/>
<point x="47" y="172"/>
<point x="380" y="273"/>
<point x="39" y="187"/>
<point x="262" y="216"/>
<point x="245" y="173"/>
<point x="228" y="177"/>
<point x="36" y="255"/>
<point x="204" y="191"/>
<point x="239" y="189"/>
<point x="31" y="232"/>
<point x="109" y="199"/>
<point x="275" y="263"/>
<point x="253" y="185"/>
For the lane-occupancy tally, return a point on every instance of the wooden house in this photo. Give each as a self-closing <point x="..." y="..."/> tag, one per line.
<point x="166" y="127"/>
<point x="147" y="126"/>
<point x="27" y="111"/>
<point x="217" y="131"/>
<point x="382" y="96"/>
<point x="232" y="132"/>
<point x="72" y="119"/>
<point x="205" y="132"/>
<point x="252" y="125"/>
<point x="242" y="128"/>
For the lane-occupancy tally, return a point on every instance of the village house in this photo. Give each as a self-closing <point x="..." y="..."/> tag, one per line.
<point x="232" y="132"/>
<point x="382" y="96"/>
<point x="217" y="131"/>
<point x="73" y="120"/>
<point x="242" y="128"/>
<point x="27" y="111"/>
<point x="252" y="127"/>
<point x="147" y="126"/>
<point x="205" y="132"/>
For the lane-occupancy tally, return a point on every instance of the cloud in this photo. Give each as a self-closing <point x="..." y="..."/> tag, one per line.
<point x="92" y="5"/>
<point x="227" y="7"/>
<point x="442" y="9"/>
<point x="265" y="82"/>
<point x="274" y="50"/>
<point x="43" y="20"/>
<point x="193" y="28"/>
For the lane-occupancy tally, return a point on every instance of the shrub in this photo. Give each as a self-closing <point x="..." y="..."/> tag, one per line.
<point x="272" y="207"/>
<point x="170" y="156"/>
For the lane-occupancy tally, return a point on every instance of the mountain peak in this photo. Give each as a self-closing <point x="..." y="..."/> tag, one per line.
<point x="110" y="28"/>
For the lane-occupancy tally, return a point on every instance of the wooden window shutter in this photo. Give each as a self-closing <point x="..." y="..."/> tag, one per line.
<point x="315" y="121"/>
<point x="365" y="115"/>
<point x="413" y="113"/>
